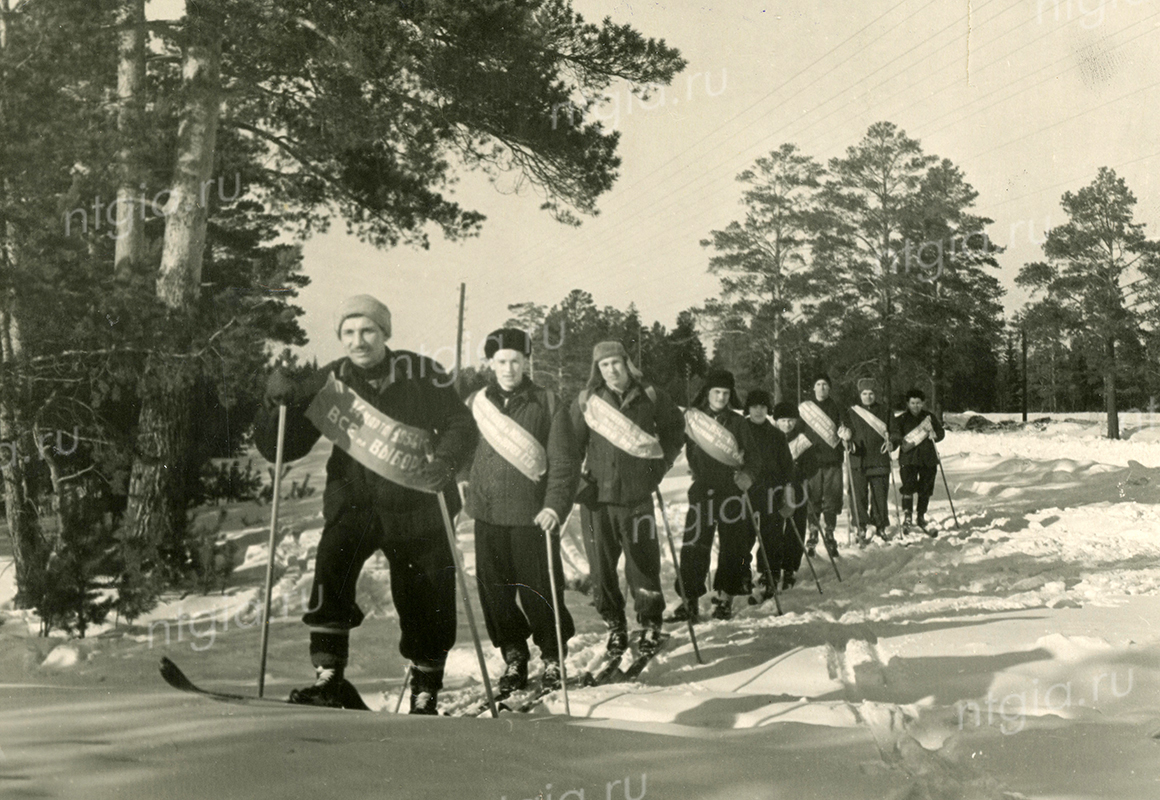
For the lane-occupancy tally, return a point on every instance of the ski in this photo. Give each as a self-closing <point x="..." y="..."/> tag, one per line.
<point x="642" y="660"/>
<point x="480" y="707"/>
<point x="606" y="666"/>
<point x="178" y="680"/>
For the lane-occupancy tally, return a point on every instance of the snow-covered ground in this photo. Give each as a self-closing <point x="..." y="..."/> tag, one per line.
<point x="1017" y="655"/>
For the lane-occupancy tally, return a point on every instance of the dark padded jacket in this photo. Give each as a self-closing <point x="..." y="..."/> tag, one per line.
<point x="612" y="475"/>
<point x="821" y="454"/>
<point x="498" y="492"/>
<point x="866" y="446"/>
<point x="411" y="389"/>
<point x="708" y="472"/>
<point x="925" y="454"/>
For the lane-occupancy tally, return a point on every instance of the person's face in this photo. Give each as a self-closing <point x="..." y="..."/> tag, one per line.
<point x="822" y="390"/>
<point x="868" y="397"/>
<point x="758" y="413"/>
<point x="718" y="398"/>
<point x="363" y="340"/>
<point x="914" y="404"/>
<point x="785" y="424"/>
<point x="509" y="367"/>
<point x="614" y="371"/>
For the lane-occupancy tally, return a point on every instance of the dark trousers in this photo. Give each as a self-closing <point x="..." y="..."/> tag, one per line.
<point x="609" y="531"/>
<point x="727" y="515"/>
<point x="511" y="563"/>
<point x="824" y="489"/>
<point x="778" y="537"/>
<point x="917" y="479"/>
<point x="876" y="485"/>
<point x="422" y="580"/>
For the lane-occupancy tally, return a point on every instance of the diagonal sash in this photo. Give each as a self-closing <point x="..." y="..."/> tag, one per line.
<point x="798" y="445"/>
<point x="510" y="439"/>
<point x="919" y="433"/>
<point x="870" y="419"/>
<point x="713" y="437"/>
<point x="619" y="430"/>
<point x="819" y="421"/>
<point x="385" y="446"/>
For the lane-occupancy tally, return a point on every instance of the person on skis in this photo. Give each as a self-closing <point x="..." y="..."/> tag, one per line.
<point x="630" y="433"/>
<point x="522" y="483"/>
<point x="916" y="430"/>
<point x="785" y="504"/>
<point x="823" y="420"/>
<point x="869" y="439"/>
<point x="725" y="463"/>
<point x="377" y="497"/>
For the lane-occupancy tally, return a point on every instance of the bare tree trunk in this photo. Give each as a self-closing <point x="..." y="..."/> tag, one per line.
<point x="1110" y="390"/>
<point x="158" y="481"/>
<point x="130" y="246"/>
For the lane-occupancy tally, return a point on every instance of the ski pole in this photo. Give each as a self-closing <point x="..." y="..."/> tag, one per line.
<point x="677" y="567"/>
<point x="556" y="613"/>
<point x="853" y="500"/>
<point x="403" y="691"/>
<point x="764" y="553"/>
<point x="897" y="502"/>
<point x="809" y="560"/>
<point x="273" y="532"/>
<point x="950" y="499"/>
<point x="459" y="571"/>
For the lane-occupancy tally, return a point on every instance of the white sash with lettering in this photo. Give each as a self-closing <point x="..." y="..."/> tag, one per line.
<point x="868" y="417"/>
<point x="918" y="435"/>
<point x="713" y="437"/>
<point x="819" y="421"/>
<point x="798" y="445"/>
<point x="622" y="432"/>
<point x="385" y="446"/>
<point x="510" y="439"/>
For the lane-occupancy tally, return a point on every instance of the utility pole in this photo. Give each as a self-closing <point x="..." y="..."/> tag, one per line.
<point x="1023" y="337"/>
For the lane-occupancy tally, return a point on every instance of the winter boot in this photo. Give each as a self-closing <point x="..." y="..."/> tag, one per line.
<point x="907" y="522"/>
<point x="923" y="501"/>
<point x="650" y="639"/>
<point x="861" y="539"/>
<point x="617" y="638"/>
<point x="685" y="611"/>
<point x="550" y="679"/>
<point x="425" y="686"/>
<point x="787" y="579"/>
<point x="831" y="543"/>
<point x="515" y="674"/>
<point x="331" y="690"/>
<point x="722" y="606"/>
<point x="812" y="542"/>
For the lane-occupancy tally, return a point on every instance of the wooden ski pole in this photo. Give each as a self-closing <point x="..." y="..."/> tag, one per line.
<point x="853" y="500"/>
<point x="556" y="612"/>
<point x="765" y="553"/>
<point x="677" y="567"/>
<point x="946" y="485"/>
<point x="277" y="496"/>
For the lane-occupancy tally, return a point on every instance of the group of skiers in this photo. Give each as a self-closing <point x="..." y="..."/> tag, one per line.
<point x="529" y="457"/>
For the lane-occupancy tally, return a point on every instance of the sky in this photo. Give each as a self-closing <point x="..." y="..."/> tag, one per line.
<point x="1028" y="97"/>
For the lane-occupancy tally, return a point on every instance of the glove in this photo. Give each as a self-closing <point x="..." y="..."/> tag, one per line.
<point x="742" y="480"/>
<point x="845" y="434"/>
<point x="436" y="474"/>
<point x="279" y="388"/>
<point x="547" y="520"/>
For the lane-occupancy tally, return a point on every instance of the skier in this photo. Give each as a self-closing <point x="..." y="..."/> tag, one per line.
<point x="522" y="482"/>
<point x="916" y="429"/>
<point x="410" y="396"/>
<point x="630" y="433"/>
<point x="786" y="498"/>
<point x="823" y="422"/>
<point x="724" y="462"/>
<point x="868" y="439"/>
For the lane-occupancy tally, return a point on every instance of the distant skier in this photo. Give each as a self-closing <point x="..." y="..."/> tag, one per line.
<point x="870" y="446"/>
<point x="522" y="483"/>
<point x="823" y="419"/>
<point x="916" y="430"/>
<point x="725" y="463"/>
<point x="630" y="433"/>
<point x="410" y="399"/>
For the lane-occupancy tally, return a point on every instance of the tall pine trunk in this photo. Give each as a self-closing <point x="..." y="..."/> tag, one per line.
<point x="130" y="244"/>
<point x="158" y="481"/>
<point x="1110" y="389"/>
